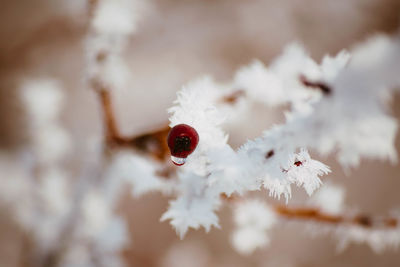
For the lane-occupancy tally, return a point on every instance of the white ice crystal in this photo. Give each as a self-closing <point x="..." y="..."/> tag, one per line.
<point x="254" y="213"/>
<point x="54" y="191"/>
<point x="331" y="66"/>
<point x="112" y="24"/>
<point x="196" y="106"/>
<point x="260" y="84"/>
<point x="43" y="99"/>
<point x="377" y="239"/>
<point x="106" y="67"/>
<point x="329" y="198"/>
<point x="114" y="236"/>
<point x="95" y="214"/>
<point x="323" y="116"/>
<point x="279" y="83"/>
<point x="283" y="166"/>
<point x="253" y="219"/>
<point x="51" y="143"/>
<point x="306" y="172"/>
<point x="246" y="240"/>
<point x="194" y="207"/>
<point x="231" y="172"/>
<point x="115" y="17"/>
<point x="194" y="212"/>
<point x="138" y="171"/>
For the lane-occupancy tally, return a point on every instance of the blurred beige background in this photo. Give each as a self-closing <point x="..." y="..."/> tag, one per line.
<point x="176" y="41"/>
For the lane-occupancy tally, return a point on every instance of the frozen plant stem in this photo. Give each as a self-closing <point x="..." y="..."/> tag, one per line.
<point x="111" y="131"/>
<point x="151" y="143"/>
<point x="315" y="215"/>
<point x="318" y="88"/>
<point x="311" y="214"/>
<point x="158" y="137"/>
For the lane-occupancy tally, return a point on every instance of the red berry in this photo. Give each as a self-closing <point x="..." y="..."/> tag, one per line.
<point x="182" y="141"/>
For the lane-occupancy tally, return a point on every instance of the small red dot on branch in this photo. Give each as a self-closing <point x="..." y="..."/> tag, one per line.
<point x="298" y="163"/>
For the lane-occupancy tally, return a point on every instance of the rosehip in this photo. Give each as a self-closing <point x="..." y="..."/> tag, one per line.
<point x="182" y="141"/>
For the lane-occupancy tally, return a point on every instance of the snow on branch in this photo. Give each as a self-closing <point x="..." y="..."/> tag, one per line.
<point x="253" y="219"/>
<point x="326" y="214"/>
<point x="323" y="116"/>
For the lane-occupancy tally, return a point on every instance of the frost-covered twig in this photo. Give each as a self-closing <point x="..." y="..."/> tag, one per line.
<point x="326" y="120"/>
<point x="151" y="143"/>
<point x="321" y="117"/>
<point x="324" y="213"/>
<point x="304" y="126"/>
<point x="316" y="215"/>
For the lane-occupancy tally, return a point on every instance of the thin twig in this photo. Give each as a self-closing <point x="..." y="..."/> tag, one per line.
<point x="312" y="214"/>
<point x="152" y="143"/>
<point x="316" y="215"/>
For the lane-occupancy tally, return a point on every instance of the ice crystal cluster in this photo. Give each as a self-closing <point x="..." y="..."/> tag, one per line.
<point x="112" y="24"/>
<point x="337" y="106"/>
<point x="61" y="217"/>
<point x="68" y="218"/>
<point x="253" y="218"/>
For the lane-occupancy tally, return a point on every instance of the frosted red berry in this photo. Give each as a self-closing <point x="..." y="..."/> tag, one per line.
<point x="182" y="141"/>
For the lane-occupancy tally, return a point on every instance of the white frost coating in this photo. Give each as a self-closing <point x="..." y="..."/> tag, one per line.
<point x="253" y="219"/>
<point x="191" y="212"/>
<point x="114" y="236"/>
<point x="112" y="24"/>
<point x="367" y="131"/>
<point x="71" y="218"/>
<point x="279" y="171"/>
<point x="95" y="214"/>
<point x="53" y="191"/>
<point x="196" y="106"/>
<point x="138" y="171"/>
<point x="331" y="66"/>
<point x="336" y="106"/>
<point x="115" y="17"/>
<point x="306" y="171"/>
<point x="51" y="143"/>
<point x="231" y="172"/>
<point x="246" y="240"/>
<point x="329" y="198"/>
<point x="260" y="84"/>
<point x="194" y="207"/>
<point x="279" y="83"/>
<point x="255" y="213"/>
<point x="377" y="239"/>
<point x="43" y="100"/>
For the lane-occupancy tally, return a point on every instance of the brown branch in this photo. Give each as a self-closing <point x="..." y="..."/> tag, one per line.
<point x="316" y="215"/>
<point x="152" y="143"/>
<point x="233" y="97"/>
<point x="311" y="214"/>
<point x="110" y="125"/>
